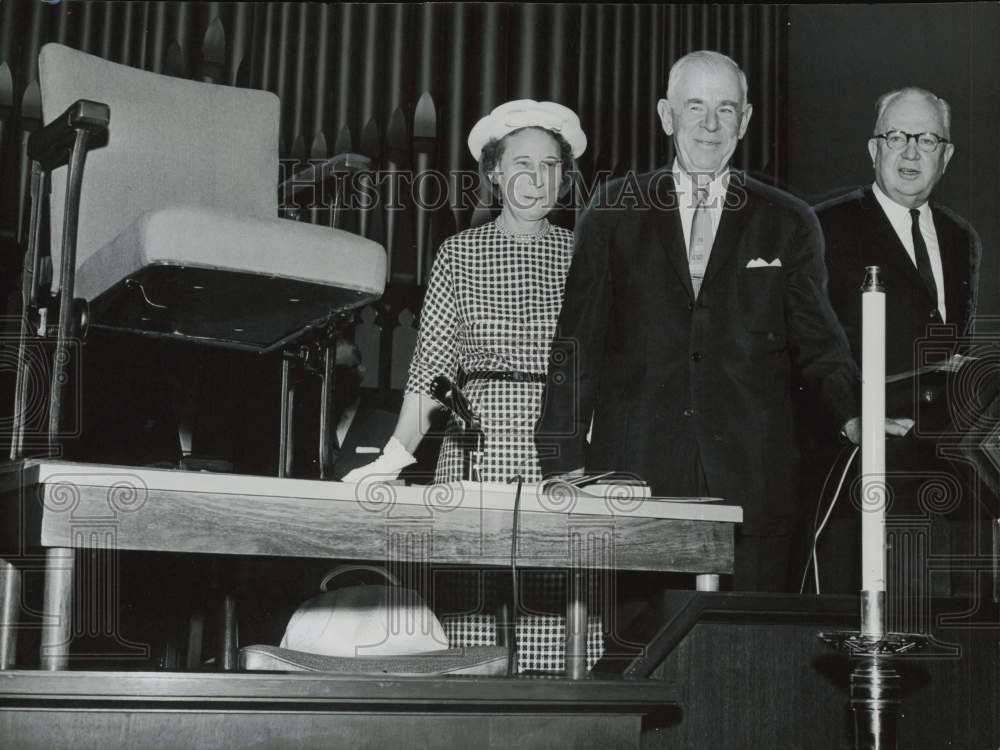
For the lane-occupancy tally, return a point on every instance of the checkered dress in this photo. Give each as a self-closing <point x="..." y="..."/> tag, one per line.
<point x="492" y="303"/>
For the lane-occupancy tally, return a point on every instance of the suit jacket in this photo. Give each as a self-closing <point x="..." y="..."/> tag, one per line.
<point x="371" y="428"/>
<point x="675" y="382"/>
<point x="857" y="234"/>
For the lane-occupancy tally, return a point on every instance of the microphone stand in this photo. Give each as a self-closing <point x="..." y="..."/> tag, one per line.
<point x="473" y="439"/>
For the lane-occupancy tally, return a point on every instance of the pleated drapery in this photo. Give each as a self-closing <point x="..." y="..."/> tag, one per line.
<point x="403" y="84"/>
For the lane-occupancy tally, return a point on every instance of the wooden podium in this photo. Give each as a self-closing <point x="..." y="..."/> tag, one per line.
<point x="61" y="506"/>
<point x="51" y="508"/>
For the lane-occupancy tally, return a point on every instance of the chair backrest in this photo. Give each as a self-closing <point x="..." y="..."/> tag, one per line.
<point x="171" y="142"/>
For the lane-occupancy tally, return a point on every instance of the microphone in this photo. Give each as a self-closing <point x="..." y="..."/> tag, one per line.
<point x="453" y="399"/>
<point x="449" y="394"/>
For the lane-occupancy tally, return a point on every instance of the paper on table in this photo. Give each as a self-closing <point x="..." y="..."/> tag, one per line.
<point x="953" y="364"/>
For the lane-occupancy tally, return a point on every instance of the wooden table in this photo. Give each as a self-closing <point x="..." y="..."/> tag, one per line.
<point x="60" y="506"/>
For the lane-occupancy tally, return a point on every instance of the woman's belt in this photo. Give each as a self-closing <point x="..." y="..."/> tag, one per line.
<point x="510" y="376"/>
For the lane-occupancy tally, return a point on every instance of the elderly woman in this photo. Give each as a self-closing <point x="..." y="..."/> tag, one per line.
<point x="493" y="299"/>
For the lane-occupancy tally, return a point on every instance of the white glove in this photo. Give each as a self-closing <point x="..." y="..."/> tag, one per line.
<point x="386" y="467"/>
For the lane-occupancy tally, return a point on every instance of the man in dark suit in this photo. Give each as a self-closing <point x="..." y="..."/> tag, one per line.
<point x="361" y="425"/>
<point x="693" y="293"/>
<point x="929" y="262"/>
<point x="928" y="256"/>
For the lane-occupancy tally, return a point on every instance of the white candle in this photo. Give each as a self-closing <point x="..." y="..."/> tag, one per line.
<point x="873" y="489"/>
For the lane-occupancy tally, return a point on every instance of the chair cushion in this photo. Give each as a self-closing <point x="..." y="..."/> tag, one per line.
<point x="204" y="274"/>
<point x="190" y="236"/>
<point x="486" y="660"/>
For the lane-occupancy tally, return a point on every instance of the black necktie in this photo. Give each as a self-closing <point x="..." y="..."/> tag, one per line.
<point x="923" y="259"/>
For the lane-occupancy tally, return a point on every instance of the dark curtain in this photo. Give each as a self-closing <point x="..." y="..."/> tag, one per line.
<point x="403" y="84"/>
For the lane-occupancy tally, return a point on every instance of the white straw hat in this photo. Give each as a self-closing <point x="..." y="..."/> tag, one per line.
<point x="525" y="113"/>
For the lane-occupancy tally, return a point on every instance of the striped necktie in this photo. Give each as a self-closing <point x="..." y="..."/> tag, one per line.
<point x="702" y="237"/>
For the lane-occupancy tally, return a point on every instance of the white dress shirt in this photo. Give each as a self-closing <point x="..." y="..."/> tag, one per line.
<point x="899" y="217"/>
<point x="688" y="201"/>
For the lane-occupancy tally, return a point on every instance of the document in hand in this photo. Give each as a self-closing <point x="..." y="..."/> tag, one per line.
<point x="954" y="364"/>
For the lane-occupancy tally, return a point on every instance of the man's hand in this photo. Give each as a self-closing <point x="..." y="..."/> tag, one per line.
<point x="893" y="427"/>
<point x="386" y="467"/>
<point x="557" y="480"/>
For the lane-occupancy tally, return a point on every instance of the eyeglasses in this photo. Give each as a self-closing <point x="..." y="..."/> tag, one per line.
<point x="897" y="139"/>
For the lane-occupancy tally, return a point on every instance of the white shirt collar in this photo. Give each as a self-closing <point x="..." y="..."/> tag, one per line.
<point x="898" y="214"/>
<point x="717" y="186"/>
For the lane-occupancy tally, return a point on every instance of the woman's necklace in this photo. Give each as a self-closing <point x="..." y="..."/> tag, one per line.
<point x="523" y="239"/>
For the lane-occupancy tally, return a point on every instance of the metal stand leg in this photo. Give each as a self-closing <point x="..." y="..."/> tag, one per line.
<point x="285" y="436"/>
<point x="707" y="582"/>
<point x="57" y="610"/>
<point x="227" y="635"/>
<point x="576" y="628"/>
<point x="875" y="703"/>
<point x="328" y="447"/>
<point x="60" y="362"/>
<point x="503" y="625"/>
<point x="876" y="692"/>
<point x="170" y="656"/>
<point x="196" y="630"/>
<point x="10" y="604"/>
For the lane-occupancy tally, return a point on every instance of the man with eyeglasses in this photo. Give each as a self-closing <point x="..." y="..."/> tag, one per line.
<point x="929" y="261"/>
<point x="929" y="256"/>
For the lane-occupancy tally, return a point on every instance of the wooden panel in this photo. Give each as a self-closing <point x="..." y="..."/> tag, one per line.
<point x="753" y="673"/>
<point x="303" y="527"/>
<point x="302" y="690"/>
<point x="668" y="617"/>
<point x="138" y="710"/>
<point x="139" y="730"/>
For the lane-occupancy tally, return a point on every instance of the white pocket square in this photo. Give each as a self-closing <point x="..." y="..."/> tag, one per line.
<point x="761" y="263"/>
